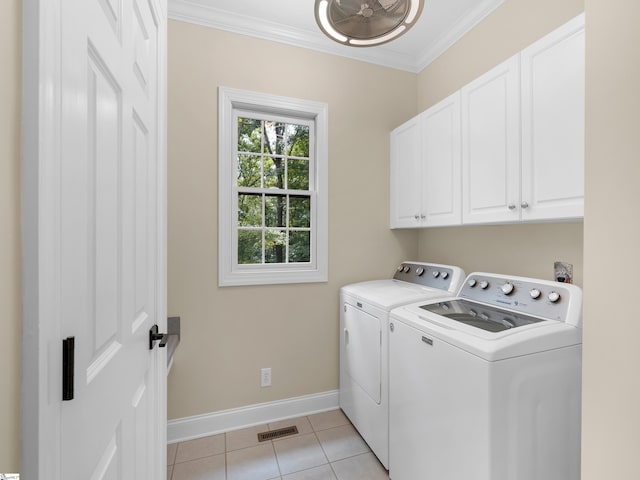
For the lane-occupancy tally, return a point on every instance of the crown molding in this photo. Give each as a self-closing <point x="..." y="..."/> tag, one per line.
<point x="197" y="13"/>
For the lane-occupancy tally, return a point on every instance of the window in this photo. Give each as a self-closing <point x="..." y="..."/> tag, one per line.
<point x="272" y="189"/>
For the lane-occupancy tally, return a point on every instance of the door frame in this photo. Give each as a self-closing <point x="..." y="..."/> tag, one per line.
<point x="41" y="144"/>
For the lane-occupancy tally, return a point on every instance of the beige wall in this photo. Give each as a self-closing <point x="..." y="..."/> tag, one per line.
<point x="528" y="250"/>
<point x="10" y="320"/>
<point x="510" y="28"/>
<point x="611" y="379"/>
<point x="230" y="333"/>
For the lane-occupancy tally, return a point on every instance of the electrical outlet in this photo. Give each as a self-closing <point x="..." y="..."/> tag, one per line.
<point x="265" y="377"/>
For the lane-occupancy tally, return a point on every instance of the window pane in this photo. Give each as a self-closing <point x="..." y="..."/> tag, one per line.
<point x="275" y="243"/>
<point x="273" y="132"/>
<point x="249" y="135"/>
<point x="297" y="140"/>
<point x="299" y="212"/>
<point x="273" y="172"/>
<point x="298" y="174"/>
<point x="249" y="247"/>
<point x="275" y="211"/>
<point x="249" y="210"/>
<point x="249" y="171"/>
<point x="299" y="247"/>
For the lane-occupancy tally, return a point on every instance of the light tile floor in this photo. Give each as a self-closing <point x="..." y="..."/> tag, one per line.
<point x="326" y="447"/>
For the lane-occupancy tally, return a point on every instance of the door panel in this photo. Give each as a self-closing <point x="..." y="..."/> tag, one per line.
<point x="491" y="145"/>
<point x="405" y="170"/>
<point x="362" y="348"/>
<point x="110" y="193"/>
<point x="441" y="157"/>
<point x="553" y="128"/>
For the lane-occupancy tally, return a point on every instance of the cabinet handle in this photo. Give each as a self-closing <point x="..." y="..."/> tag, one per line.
<point x="524" y="205"/>
<point x="512" y="206"/>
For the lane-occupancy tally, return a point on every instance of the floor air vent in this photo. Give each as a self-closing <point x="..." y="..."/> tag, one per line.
<point x="279" y="433"/>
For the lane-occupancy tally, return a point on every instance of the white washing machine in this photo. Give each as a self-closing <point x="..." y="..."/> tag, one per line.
<point x="486" y="386"/>
<point x="364" y="327"/>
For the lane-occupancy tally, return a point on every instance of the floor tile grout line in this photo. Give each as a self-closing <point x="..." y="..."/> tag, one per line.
<point x="275" y="455"/>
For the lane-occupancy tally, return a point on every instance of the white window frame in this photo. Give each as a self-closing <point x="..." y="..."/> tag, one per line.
<point x="230" y="273"/>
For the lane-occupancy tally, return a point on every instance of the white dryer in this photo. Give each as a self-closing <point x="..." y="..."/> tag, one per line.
<point x="487" y="385"/>
<point x="364" y="327"/>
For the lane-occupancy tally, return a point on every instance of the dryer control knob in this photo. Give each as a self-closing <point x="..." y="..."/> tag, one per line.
<point x="553" y="297"/>
<point x="444" y="275"/>
<point x="419" y="271"/>
<point x="507" y="288"/>
<point x="401" y="268"/>
<point x="435" y="273"/>
<point x="484" y="284"/>
<point x="472" y="282"/>
<point x="535" y="293"/>
<point x="406" y="269"/>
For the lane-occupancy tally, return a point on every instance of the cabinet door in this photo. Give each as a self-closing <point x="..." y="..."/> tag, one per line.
<point x="405" y="175"/>
<point x="441" y="163"/>
<point x="491" y="146"/>
<point x="553" y="72"/>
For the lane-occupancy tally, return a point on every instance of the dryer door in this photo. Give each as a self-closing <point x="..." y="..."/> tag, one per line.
<point x="362" y="350"/>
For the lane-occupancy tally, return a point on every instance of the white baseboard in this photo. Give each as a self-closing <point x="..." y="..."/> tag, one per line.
<point x="198" y="426"/>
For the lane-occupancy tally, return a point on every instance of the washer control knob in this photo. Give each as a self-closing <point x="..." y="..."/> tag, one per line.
<point x="435" y="273"/>
<point x="406" y="269"/>
<point x="553" y="297"/>
<point x="507" y="288"/>
<point x="444" y="275"/>
<point x="472" y="282"/>
<point x="400" y="268"/>
<point x="535" y="293"/>
<point x="419" y="271"/>
<point x="484" y="284"/>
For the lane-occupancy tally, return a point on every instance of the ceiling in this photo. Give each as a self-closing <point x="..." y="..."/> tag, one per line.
<point x="443" y="22"/>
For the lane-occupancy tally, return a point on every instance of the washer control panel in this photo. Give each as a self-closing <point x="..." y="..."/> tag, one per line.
<point x="429" y="274"/>
<point x="540" y="298"/>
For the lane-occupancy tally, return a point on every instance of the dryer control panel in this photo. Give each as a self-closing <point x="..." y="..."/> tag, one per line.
<point x="431" y="275"/>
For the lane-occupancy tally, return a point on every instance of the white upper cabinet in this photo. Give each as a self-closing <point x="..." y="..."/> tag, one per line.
<point x="405" y="173"/>
<point x="491" y="145"/>
<point x="553" y="73"/>
<point x="425" y="168"/>
<point x="508" y="147"/>
<point x="523" y="134"/>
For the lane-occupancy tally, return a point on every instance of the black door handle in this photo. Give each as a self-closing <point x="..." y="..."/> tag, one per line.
<point x="154" y="336"/>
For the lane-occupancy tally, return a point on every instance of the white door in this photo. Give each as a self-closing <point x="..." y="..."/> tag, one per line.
<point x="491" y="146"/>
<point x="405" y="168"/>
<point x="553" y="73"/>
<point x="441" y="163"/>
<point x="95" y="190"/>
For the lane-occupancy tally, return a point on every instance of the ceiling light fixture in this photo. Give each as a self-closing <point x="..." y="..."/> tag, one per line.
<point x="366" y="23"/>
